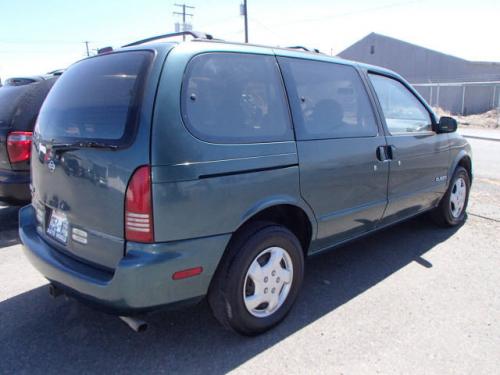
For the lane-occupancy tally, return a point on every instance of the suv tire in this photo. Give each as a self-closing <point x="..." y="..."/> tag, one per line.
<point x="452" y="208"/>
<point x="258" y="279"/>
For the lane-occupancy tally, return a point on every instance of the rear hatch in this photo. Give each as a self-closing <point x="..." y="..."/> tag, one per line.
<point x="19" y="106"/>
<point x="90" y="137"/>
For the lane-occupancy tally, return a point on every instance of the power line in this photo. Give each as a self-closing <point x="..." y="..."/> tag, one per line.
<point x="274" y="32"/>
<point x="185" y="26"/>
<point x="219" y="22"/>
<point x="30" y="51"/>
<point x="38" y="42"/>
<point x="346" y="14"/>
<point x="366" y="10"/>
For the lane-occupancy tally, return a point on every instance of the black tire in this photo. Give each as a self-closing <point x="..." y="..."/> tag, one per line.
<point x="226" y="291"/>
<point x="442" y="214"/>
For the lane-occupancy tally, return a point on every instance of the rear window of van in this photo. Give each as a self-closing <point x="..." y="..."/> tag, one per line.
<point x="97" y="99"/>
<point x="235" y="98"/>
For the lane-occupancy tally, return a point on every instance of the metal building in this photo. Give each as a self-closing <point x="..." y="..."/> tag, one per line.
<point x="454" y="84"/>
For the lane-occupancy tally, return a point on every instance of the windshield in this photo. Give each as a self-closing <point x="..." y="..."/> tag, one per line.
<point x="96" y="99"/>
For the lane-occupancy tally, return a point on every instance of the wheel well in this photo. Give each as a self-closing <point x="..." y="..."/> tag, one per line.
<point x="291" y="217"/>
<point x="466" y="163"/>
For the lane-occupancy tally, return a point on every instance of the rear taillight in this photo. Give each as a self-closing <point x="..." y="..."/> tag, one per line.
<point x="138" y="207"/>
<point x="19" y="146"/>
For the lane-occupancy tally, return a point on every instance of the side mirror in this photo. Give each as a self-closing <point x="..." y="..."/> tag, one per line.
<point x="446" y="125"/>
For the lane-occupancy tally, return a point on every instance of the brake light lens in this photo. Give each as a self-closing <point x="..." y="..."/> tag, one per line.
<point x="138" y="207"/>
<point x="19" y="146"/>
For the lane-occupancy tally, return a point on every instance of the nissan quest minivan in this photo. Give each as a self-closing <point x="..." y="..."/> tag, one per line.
<point x="165" y="172"/>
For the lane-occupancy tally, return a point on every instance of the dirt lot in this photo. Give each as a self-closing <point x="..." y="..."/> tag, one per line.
<point x="488" y="120"/>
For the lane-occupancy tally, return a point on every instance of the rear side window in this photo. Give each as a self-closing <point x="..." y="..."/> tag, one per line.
<point x="328" y="100"/>
<point x="402" y="110"/>
<point x="235" y="98"/>
<point x="96" y="99"/>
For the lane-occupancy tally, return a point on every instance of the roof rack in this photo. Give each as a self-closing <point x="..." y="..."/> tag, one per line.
<point x="315" y="50"/>
<point x="194" y="34"/>
<point x="56" y="72"/>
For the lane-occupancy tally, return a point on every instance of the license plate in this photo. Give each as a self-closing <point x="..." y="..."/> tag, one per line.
<point x="58" y="227"/>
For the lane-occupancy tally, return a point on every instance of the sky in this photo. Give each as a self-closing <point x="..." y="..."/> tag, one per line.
<point x="40" y="36"/>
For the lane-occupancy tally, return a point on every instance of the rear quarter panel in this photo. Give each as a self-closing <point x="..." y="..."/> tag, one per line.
<point x="219" y="205"/>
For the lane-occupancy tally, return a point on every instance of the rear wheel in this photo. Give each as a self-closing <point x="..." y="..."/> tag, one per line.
<point x="452" y="208"/>
<point x="258" y="280"/>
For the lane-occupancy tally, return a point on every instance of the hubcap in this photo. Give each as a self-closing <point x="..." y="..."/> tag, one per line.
<point x="268" y="282"/>
<point x="457" y="197"/>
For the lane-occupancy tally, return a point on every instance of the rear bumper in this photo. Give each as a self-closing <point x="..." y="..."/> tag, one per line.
<point x="142" y="281"/>
<point x="14" y="186"/>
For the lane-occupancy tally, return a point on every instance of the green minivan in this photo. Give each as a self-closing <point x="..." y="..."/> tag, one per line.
<point x="164" y="172"/>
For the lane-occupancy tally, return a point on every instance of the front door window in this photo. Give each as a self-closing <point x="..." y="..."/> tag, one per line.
<point x="403" y="112"/>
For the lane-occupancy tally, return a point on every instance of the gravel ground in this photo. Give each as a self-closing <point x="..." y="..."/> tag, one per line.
<point x="411" y="299"/>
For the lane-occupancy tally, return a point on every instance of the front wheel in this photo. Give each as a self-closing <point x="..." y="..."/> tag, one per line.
<point x="258" y="280"/>
<point x="452" y="208"/>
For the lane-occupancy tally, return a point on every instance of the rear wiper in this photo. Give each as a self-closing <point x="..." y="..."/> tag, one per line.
<point x="62" y="147"/>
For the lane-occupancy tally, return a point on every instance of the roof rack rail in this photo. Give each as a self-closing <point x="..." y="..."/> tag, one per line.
<point x="315" y="50"/>
<point x="194" y="34"/>
<point x="56" y="72"/>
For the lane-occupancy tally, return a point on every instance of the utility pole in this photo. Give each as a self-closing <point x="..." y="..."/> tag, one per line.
<point x="185" y="26"/>
<point x="244" y="13"/>
<point x="87" y="47"/>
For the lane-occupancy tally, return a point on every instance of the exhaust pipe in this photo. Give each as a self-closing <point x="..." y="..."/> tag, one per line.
<point x="54" y="291"/>
<point x="136" y="324"/>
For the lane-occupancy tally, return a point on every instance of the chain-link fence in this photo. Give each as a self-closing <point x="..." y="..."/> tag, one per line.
<point x="461" y="98"/>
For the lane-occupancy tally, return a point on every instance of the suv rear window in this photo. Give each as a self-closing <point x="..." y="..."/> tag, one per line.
<point x="96" y="99"/>
<point x="235" y="98"/>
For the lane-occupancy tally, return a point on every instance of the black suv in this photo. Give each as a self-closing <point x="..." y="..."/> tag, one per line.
<point x="20" y="101"/>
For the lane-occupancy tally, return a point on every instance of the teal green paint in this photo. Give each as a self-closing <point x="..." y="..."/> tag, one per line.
<point x="203" y="192"/>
